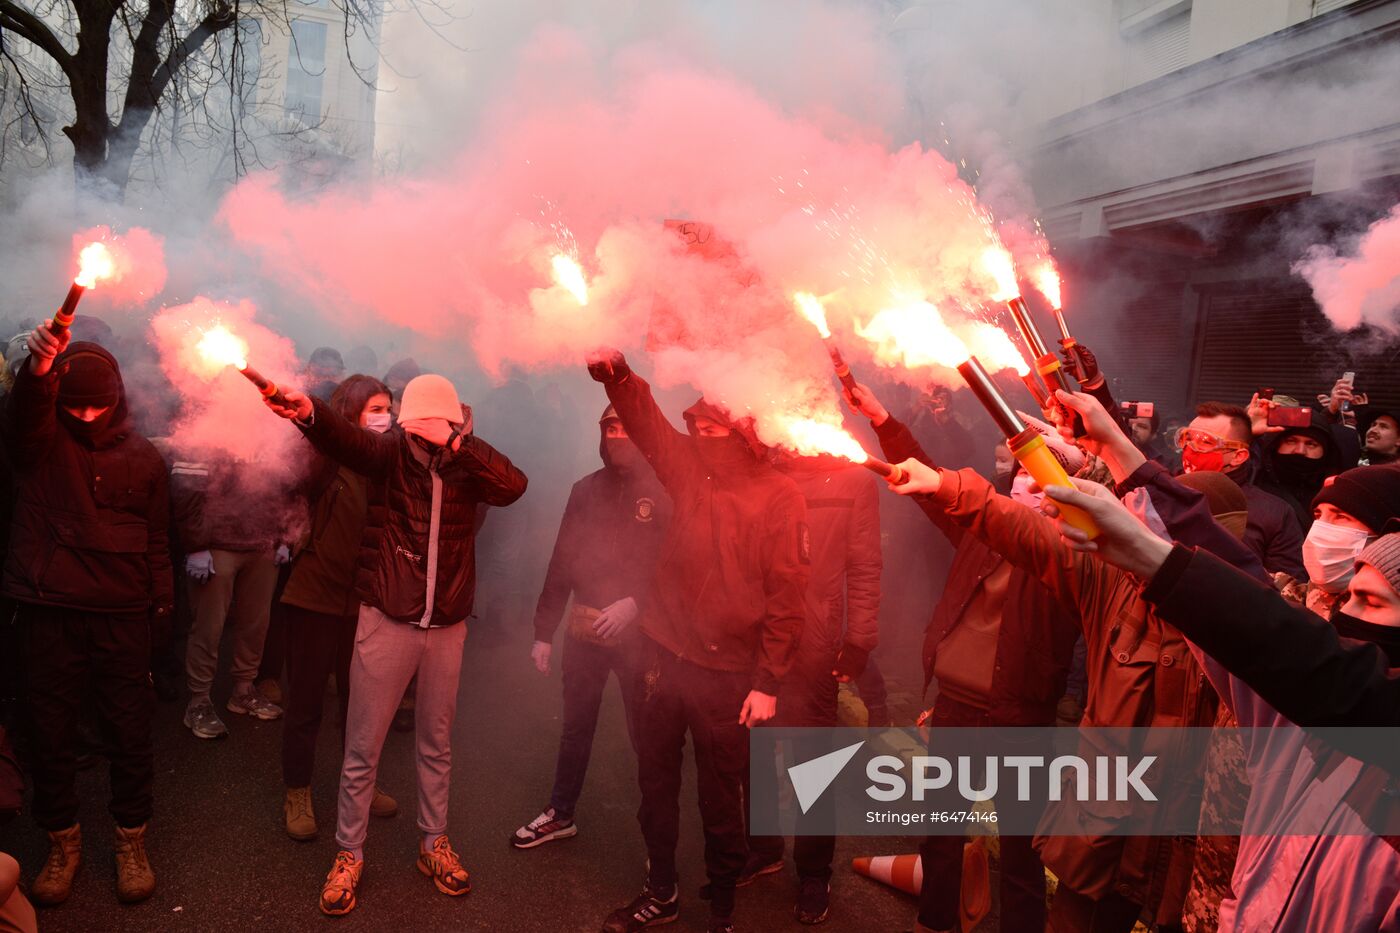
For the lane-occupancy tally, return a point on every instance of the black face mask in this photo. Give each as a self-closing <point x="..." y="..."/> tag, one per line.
<point x="1385" y="637"/>
<point x="88" y="432"/>
<point x="1300" y="469"/>
<point x="622" y="455"/>
<point x="722" y="452"/>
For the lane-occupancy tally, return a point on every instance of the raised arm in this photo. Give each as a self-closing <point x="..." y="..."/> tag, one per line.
<point x="667" y="449"/>
<point x="31" y="420"/>
<point x="350" y="445"/>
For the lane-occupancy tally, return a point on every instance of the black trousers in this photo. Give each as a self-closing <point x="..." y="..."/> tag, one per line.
<point x="68" y="655"/>
<point x="680" y="697"/>
<point x="318" y="645"/>
<point x="1022" y="876"/>
<point x="806" y="699"/>
<point x="587" y="668"/>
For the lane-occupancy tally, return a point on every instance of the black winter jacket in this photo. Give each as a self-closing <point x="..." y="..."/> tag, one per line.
<point x="398" y="554"/>
<point x="91" y="519"/>
<point x="607" y="546"/>
<point x="732" y="573"/>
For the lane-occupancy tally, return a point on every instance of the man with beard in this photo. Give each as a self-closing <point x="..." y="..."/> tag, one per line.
<point x="1218" y="440"/>
<point x="89" y="567"/>
<point x="604" y="556"/>
<point x="720" y="626"/>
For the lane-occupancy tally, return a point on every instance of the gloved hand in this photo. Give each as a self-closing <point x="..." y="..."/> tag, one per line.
<point x="1081" y="363"/>
<point x="200" y="566"/>
<point x="615" y="619"/>
<point x="850" y="663"/>
<point x="540" y="652"/>
<point x="608" y="366"/>
<point x="283" y="555"/>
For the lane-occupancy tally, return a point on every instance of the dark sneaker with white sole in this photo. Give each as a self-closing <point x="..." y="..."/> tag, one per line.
<point x="546" y="827"/>
<point x="813" y="901"/>
<point x="646" y="910"/>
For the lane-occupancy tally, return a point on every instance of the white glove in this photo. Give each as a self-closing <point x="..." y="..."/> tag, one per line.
<point x="200" y="566"/>
<point x="283" y="555"/>
<point x="539" y="653"/>
<point x="615" y="619"/>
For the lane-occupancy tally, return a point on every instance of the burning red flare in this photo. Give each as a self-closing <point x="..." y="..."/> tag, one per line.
<point x="94" y="264"/>
<point x="810" y="438"/>
<point x="991" y="345"/>
<point x="810" y="307"/>
<point x="1047" y="281"/>
<point x="220" y="347"/>
<point x="913" y="334"/>
<point x="568" y="275"/>
<point x="997" y="263"/>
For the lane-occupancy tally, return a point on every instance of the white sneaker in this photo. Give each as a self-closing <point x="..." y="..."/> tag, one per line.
<point x="544" y="828"/>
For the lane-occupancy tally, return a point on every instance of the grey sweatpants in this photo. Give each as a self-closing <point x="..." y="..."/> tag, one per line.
<point x="387" y="655"/>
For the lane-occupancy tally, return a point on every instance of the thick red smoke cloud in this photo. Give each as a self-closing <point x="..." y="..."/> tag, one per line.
<point x="590" y="155"/>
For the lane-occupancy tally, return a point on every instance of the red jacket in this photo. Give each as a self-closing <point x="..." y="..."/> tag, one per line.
<point x="729" y="584"/>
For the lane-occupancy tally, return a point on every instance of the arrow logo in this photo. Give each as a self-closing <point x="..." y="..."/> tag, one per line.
<point x="811" y="778"/>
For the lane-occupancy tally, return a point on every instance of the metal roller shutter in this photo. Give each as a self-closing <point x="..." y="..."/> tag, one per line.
<point x="1269" y="334"/>
<point x="1145" y="362"/>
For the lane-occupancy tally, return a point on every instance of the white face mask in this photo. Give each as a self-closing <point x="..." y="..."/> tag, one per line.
<point x="378" y="421"/>
<point x="1330" y="552"/>
<point x="1021" y="491"/>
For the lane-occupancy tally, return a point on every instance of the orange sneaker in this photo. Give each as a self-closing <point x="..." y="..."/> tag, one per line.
<point x="338" y="893"/>
<point x="442" y="865"/>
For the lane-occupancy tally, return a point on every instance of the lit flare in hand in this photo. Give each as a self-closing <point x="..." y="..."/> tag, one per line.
<point x="568" y="275"/>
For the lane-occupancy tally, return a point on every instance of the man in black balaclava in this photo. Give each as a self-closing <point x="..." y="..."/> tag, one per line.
<point x="89" y="567"/>
<point x="1297" y="461"/>
<point x="720" y="625"/>
<point x="604" y="558"/>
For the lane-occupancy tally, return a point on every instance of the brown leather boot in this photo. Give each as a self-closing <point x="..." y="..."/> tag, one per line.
<point x="135" y="880"/>
<point x="55" y="881"/>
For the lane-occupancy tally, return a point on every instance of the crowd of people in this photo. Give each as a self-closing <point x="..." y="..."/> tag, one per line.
<point x="1246" y="571"/>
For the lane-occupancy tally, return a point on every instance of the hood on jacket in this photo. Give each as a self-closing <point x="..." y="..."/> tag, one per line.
<point x="743" y="427"/>
<point x="621" y="455"/>
<point x="96" y="365"/>
<point x="1320" y="430"/>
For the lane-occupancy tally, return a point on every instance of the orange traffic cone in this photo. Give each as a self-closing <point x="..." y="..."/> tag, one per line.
<point x="904" y="872"/>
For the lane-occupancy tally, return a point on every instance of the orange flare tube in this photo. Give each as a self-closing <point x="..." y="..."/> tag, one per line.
<point x="266" y="386"/>
<point x="892" y="473"/>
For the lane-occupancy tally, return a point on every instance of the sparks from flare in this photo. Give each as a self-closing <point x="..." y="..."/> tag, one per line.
<point x="568" y="274"/>
<point x="94" y="264"/>
<point x="810" y="307"/>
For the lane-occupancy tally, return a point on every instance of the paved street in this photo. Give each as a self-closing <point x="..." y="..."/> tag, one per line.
<point x="224" y="862"/>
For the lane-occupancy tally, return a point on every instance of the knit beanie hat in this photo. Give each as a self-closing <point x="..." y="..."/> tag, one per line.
<point x="87" y="379"/>
<point x="1369" y="494"/>
<point x="430" y="396"/>
<point x="1384" y="554"/>
<point x="1226" y="499"/>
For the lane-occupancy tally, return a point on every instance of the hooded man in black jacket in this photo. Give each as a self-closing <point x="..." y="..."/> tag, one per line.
<point x="416" y="580"/>
<point x="89" y="566"/>
<point x="603" y="558"/>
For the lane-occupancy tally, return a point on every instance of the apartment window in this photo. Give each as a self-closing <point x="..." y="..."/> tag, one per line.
<point x="1163" y="46"/>
<point x="306" y="69"/>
